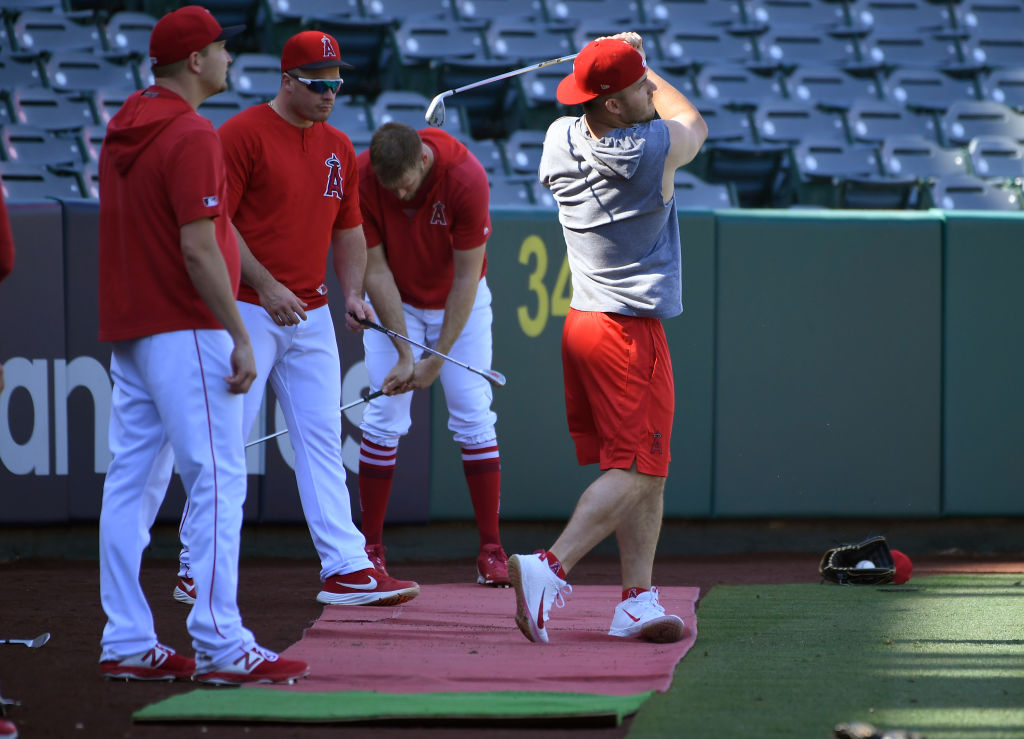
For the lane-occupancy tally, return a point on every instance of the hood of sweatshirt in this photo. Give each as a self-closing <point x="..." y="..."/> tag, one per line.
<point x="617" y="154"/>
<point x="136" y="125"/>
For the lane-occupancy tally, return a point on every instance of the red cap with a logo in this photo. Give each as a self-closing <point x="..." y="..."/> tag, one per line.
<point x="311" y="50"/>
<point x="605" y="66"/>
<point x="183" y="31"/>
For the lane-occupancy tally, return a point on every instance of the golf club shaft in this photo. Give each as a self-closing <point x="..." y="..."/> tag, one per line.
<point x="343" y="408"/>
<point x="492" y="376"/>
<point x="513" y="73"/>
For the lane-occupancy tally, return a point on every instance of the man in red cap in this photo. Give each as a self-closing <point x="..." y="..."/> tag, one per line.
<point x="611" y="173"/>
<point x="181" y="362"/>
<point x="293" y="195"/>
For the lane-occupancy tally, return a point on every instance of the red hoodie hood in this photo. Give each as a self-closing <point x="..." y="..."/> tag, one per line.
<point x="144" y="115"/>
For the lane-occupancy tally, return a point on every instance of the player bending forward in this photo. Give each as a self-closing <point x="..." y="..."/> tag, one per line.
<point x="425" y="213"/>
<point x="611" y="173"/>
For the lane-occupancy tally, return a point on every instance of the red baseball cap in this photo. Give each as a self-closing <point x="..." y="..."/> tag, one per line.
<point x="183" y="31"/>
<point x="311" y="50"/>
<point x="604" y="66"/>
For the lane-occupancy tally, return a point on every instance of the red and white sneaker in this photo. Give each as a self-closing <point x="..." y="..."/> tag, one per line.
<point x="376" y="554"/>
<point x="157" y="663"/>
<point x="644" y="617"/>
<point x="537" y="589"/>
<point x="492" y="567"/>
<point x="367" y="588"/>
<point x="185" y="591"/>
<point x="255" y="665"/>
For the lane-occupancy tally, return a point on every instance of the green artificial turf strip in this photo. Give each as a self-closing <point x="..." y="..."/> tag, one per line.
<point x="230" y="704"/>
<point x="942" y="656"/>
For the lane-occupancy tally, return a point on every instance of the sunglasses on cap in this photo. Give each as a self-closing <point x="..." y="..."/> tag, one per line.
<point x="319" y="86"/>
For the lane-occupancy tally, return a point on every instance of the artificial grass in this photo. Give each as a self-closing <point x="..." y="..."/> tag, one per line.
<point x="249" y="705"/>
<point x="942" y="656"/>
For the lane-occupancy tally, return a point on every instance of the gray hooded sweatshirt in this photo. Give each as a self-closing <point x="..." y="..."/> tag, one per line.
<point x="622" y="240"/>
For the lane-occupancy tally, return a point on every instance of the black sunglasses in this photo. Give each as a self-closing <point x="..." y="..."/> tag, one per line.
<point x="319" y="86"/>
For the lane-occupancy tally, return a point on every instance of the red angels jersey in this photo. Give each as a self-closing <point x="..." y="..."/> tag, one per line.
<point x="161" y="167"/>
<point x="450" y="212"/>
<point x="289" y="188"/>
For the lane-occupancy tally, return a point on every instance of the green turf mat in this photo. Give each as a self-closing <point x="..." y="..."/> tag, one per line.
<point x="942" y="656"/>
<point x="229" y="704"/>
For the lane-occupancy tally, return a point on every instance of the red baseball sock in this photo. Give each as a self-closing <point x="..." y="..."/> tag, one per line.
<point x="482" y="465"/>
<point x="376" y="473"/>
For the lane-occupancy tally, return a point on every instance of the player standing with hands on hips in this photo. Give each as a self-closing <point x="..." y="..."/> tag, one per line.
<point x="425" y="201"/>
<point x="611" y="173"/>
<point x="293" y="196"/>
<point x="181" y="362"/>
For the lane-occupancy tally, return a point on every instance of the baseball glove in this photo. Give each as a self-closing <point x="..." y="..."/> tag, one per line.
<point x="839" y="564"/>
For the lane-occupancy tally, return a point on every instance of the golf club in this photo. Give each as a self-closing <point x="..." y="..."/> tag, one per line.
<point x="492" y="376"/>
<point x="353" y="404"/>
<point x="435" y="111"/>
<point x="30" y="643"/>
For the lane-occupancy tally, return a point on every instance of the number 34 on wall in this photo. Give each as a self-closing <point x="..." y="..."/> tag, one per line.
<point x="553" y="303"/>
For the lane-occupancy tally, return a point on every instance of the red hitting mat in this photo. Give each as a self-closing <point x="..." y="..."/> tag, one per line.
<point x="462" y="638"/>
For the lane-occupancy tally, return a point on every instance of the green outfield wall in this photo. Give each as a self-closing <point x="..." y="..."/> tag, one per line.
<point x="828" y="363"/>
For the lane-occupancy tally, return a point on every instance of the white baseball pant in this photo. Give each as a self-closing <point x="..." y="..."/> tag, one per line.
<point x="170" y="402"/>
<point x="467" y="394"/>
<point x="302" y="364"/>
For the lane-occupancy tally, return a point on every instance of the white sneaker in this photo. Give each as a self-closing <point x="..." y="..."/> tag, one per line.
<point x="537" y="587"/>
<point x="255" y="665"/>
<point x="643" y="616"/>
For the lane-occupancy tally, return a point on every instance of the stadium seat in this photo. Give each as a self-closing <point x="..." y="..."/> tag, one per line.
<point x="878" y="193"/>
<point x="510" y="192"/>
<point x="525" y="42"/>
<point x="48" y="109"/>
<point x="19" y="72"/>
<point x="401" y="10"/>
<point x="758" y="172"/>
<point x="921" y="157"/>
<point x="680" y="13"/>
<point x="522" y="152"/>
<point x="487" y="11"/>
<point x="410" y="108"/>
<point x="737" y="86"/>
<point x="989" y="15"/>
<point x="625" y="12"/>
<point x="965" y="120"/>
<point x="360" y="140"/>
<point x="35" y="145"/>
<point x="693" y="193"/>
<point x="965" y="192"/>
<point x="83" y="71"/>
<point x="298" y="12"/>
<point x="91" y="139"/>
<point x="589" y="29"/>
<point x="927" y="89"/>
<point x="829" y="87"/>
<point x="37" y="182"/>
<point x="726" y="124"/>
<point x="821" y="164"/>
<point x="350" y="116"/>
<point x="799" y="45"/>
<point x="791" y="121"/>
<point x="108" y="100"/>
<point x="222" y="106"/>
<point x="90" y="181"/>
<point x="887" y="48"/>
<point x="997" y="157"/>
<point x="256" y="75"/>
<point x="38" y="32"/>
<point x="874" y="120"/>
<point x="820" y="14"/>
<point x="542" y="197"/>
<point x="127" y="32"/>
<point x="488" y="152"/>
<point x="490" y="111"/>
<point x="538" y="87"/>
<point x="422" y="41"/>
<point x="1002" y="48"/>
<point x="1005" y="86"/>
<point x="902" y="14"/>
<point x="696" y="45"/>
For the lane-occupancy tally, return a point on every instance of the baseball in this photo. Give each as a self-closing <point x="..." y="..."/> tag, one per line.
<point x="865" y="564"/>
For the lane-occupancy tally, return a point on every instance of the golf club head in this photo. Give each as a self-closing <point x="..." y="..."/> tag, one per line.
<point x="40" y="640"/>
<point x="435" y="111"/>
<point x="494" y="377"/>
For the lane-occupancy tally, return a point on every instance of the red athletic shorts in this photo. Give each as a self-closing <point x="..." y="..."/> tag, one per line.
<point x="619" y="394"/>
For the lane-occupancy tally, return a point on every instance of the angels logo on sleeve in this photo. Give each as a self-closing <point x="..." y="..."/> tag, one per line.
<point x="334" y="178"/>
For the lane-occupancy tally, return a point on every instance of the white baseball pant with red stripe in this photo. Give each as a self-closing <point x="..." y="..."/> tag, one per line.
<point x="171" y="403"/>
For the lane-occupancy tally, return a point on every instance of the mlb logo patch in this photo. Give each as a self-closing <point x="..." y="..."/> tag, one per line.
<point x="211" y="201"/>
